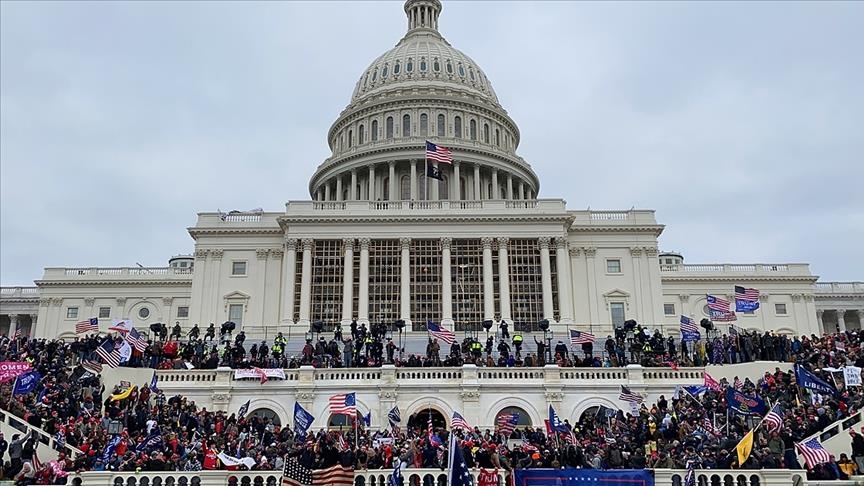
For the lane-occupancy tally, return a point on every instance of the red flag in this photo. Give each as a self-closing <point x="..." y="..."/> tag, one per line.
<point x="711" y="383"/>
<point x="261" y="374"/>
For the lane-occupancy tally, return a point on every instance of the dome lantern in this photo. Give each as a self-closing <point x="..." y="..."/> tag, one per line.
<point x="422" y="14"/>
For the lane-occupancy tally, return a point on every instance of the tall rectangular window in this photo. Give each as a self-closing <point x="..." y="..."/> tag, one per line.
<point x="466" y="272"/>
<point x="104" y="312"/>
<point x="526" y="284"/>
<point x="617" y="310"/>
<point x="71" y="313"/>
<point x="385" y="269"/>
<point x="327" y="274"/>
<point x="235" y="315"/>
<point x="425" y="282"/>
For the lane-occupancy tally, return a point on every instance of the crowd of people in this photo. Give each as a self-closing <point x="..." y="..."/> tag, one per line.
<point x="374" y="345"/>
<point x="146" y="430"/>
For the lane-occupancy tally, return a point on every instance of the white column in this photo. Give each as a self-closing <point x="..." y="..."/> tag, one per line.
<point x="446" y="285"/>
<point x="348" y="282"/>
<point x="820" y="323"/>
<point x="504" y="280"/>
<point x="456" y="183"/>
<point x="339" y="188"/>
<point x="509" y="186"/>
<point x="34" y="317"/>
<point x="13" y="324"/>
<point x="546" y="276"/>
<point x="306" y="284"/>
<point x="477" y="194"/>
<point x="521" y="190"/>
<point x="841" y="323"/>
<point x="371" y="183"/>
<point x="496" y="191"/>
<point x="352" y="193"/>
<point x="392" y="179"/>
<point x="327" y="191"/>
<point x="565" y="299"/>
<point x="363" y="304"/>
<point x="413" y="180"/>
<point x="289" y="263"/>
<point x="488" y="288"/>
<point x="405" y="280"/>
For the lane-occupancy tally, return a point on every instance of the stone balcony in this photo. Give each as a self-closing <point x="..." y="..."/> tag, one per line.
<point x="19" y="293"/>
<point x="839" y="288"/>
<point x="425" y="208"/>
<point x="56" y="275"/>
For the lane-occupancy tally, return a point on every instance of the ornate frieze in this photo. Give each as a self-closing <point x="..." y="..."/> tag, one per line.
<point x="89" y="301"/>
<point x="261" y="253"/>
<point x="201" y="254"/>
<point x="635" y="252"/>
<point x="217" y="254"/>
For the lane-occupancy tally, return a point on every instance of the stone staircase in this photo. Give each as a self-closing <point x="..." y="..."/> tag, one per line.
<point x="46" y="448"/>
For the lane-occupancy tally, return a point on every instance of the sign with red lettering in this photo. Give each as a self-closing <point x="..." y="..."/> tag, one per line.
<point x="9" y="370"/>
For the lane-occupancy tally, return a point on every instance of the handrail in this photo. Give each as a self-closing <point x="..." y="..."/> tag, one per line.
<point x="16" y="422"/>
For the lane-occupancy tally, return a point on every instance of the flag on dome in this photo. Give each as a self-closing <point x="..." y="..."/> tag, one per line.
<point x="87" y="325"/>
<point x="438" y="153"/>
<point x="344" y="403"/>
<point x="440" y="332"/>
<point x="746" y="300"/>
<point x="580" y="337"/>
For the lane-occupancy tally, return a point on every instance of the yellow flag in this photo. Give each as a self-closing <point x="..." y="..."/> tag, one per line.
<point x="124" y="395"/>
<point x="744" y="448"/>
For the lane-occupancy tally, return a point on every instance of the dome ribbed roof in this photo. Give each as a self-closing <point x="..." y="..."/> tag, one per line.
<point x="424" y="58"/>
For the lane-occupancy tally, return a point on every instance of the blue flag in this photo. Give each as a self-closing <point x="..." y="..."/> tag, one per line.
<point x="154" y="383"/>
<point x="367" y="419"/>
<point x="745" y="404"/>
<point x="745" y="305"/>
<point x="26" y="383"/>
<point x="110" y="448"/>
<point x="394" y="416"/>
<point x="302" y="419"/>
<point x="458" y="474"/>
<point x="695" y="390"/>
<point x="555" y="422"/>
<point x="153" y="441"/>
<point x="806" y="379"/>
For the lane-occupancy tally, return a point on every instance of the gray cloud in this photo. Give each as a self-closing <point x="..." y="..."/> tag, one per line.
<point x="739" y="123"/>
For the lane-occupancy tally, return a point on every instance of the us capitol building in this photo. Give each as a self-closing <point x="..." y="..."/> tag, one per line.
<point x="379" y="242"/>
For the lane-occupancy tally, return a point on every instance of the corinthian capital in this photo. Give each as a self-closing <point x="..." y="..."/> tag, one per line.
<point x="307" y="243"/>
<point x="544" y="241"/>
<point x="446" y="242"/>
<point x="405" y="243"/>
<point x="290" y="244"/>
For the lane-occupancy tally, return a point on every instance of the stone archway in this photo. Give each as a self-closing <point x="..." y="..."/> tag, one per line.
<point x="265" y="413"/>
<point x="421" y="418"/>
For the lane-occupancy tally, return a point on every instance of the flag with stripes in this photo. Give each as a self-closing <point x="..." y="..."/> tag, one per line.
<point x="708" y="425"/>
<point x="774" y="419"/>
<point x="813" y="452"/>
<point x="17" y="334"/>
<point x="527" y="446"/>
<point x="438" y="153"/>
<point x="689" y="330"/>
<point x="628" y="396"/>
<point x="718" y="304"/>
<point x="690" y="477"/>
<point x="121" y="325"/>
<point x="507" y="423"/>
<point x="460" y="422"/>
<point x="737" y="383"/>
<point x="136" y="339"/>
<point x="394" y="416"/>
<point x="710" y="382"/>
<point x="344" y="403"/>
<point x="746" y="300"/>
<point x="108" y="353"/>
<point x="440" y="332"/>
<point x="87" y="325"/>
<point x="94" y="367"/>
<point x="580" y="337"/>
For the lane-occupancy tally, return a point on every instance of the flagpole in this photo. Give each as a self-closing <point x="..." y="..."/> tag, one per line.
<point x="426" y="179"/>
<point x="12" y="394"/>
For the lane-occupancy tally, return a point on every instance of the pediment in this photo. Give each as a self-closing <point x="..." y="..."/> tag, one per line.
<point x="617" y="293"/>
<point x="236" y="295"/>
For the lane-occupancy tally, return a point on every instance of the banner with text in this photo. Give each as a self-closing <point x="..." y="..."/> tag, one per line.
<point x="269" y="372"/>
<point x="11" y="369"/>
<point x="579" y="477"/>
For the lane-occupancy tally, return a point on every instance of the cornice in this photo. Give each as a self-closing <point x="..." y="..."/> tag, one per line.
<point x="103" y="283"/>
<point x="656" y="230"/>
<point x="737" y="278"/>
<point x="287" y="220"/>
<point x="19" y="300"/>
<point x="269" y="230"/>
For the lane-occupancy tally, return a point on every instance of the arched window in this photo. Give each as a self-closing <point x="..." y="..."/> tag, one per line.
<point x="374" y="134"/>
<point x="424" y="124"/>
<point x="264" y="414"/>
<point x="472" y="129"/>
<point x="384" y="72"/>
<point x="449" y="67"/>
<point x="385" y="189"/>
<point x="422" y="64"/>
<point x="444" y="188"/>
<point x="485" y="133"/>
<point x="350" y="137"/>
<point x="514" y="417"/>
<point x="409" y="66"/>
<point x="497" y="137"/>
<point x="405" y="187"/>
<point x="457" y="127"/>
<point x="388" y="127"/>
<point x="361" y="134"/>
<point x="396" y="68"/>
<point x="406" y="125"/>
<point x="436" y="66"/>
<point x="441" y="126"/>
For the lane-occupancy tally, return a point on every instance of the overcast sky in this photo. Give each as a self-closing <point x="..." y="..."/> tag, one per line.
<point x="739" y="122"/>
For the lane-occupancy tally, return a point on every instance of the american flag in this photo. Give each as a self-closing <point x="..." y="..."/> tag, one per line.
<point x="17" y="334"/>
<point x="87" y="325"/>
<point x="580" y="337"/>
<point x="527" y="446"/>
<point x="507" y="423"/>
<point x="344" y="403"/>
<point x="440" y="332"/>
<point x="296" y="474"/>
<point x="774" y="419"/>
<point x="813" y="452"/>
<point x="737" y="383"/>
<point x="92" y="366"/>
<point x="628" y="396"/>
<point x="136" y="339"/>
<point x="689" y="325"/>
<point x="717" y="303"/>
<point x="460" y="422"/>
<point x="107" y="352"/>
<point x="438" y="153"/>
<point x="710" y="382"/>
<point x="690" y="477"/>
<point x="341" y="443"/>
<point x="750" y="295"/>
<point x="720" y="316"/>
<point x="708" y="425"/>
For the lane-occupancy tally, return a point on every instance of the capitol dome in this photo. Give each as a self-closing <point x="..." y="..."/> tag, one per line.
<point x="423" y="89"/>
